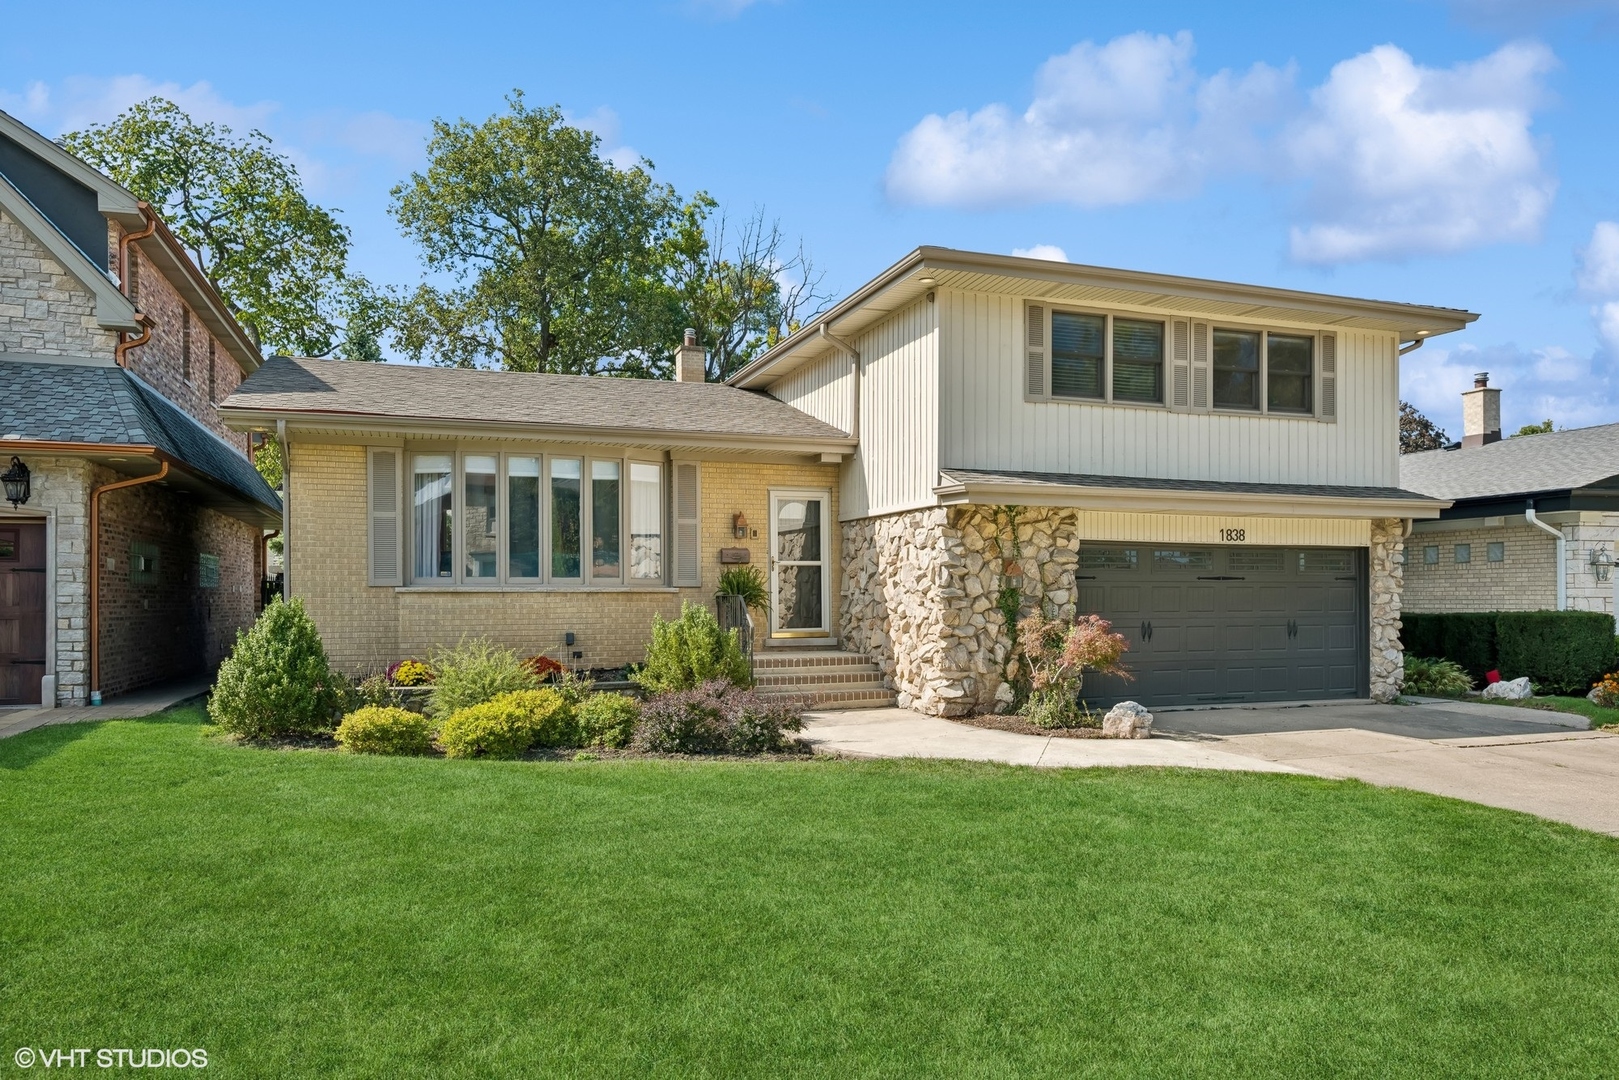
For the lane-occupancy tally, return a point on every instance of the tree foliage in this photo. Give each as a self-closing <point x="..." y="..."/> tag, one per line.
<point x="239" y="208"/>
<point x="562" y="261"/>
<point x="1542" y="428"/>
<point x="1418" y="433"/>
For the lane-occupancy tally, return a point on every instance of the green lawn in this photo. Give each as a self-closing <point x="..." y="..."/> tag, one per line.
<point x="1580" y="706"/>
<point x="302" y="913"/>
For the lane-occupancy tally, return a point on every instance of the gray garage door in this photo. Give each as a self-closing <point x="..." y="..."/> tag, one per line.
<point x="1218" y="624"/>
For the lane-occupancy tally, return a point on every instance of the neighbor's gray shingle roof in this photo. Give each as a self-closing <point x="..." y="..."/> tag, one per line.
<point x="1327" y="491"/>
<point x="108" y="406"/>
<point x="403" y="391"/>
<point x="1558" y="461"/>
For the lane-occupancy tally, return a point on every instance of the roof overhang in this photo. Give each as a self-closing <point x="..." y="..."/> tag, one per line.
<point x="367" y="425"/>
<point x="113" y="309"/>
<point x="112" y="199"/>
<point x="931" y="268"/>
<point x="953" y="491"/>
<point x="172" y="259"/>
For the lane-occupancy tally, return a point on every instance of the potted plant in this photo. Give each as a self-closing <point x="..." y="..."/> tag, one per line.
<point x="741" y="589"/>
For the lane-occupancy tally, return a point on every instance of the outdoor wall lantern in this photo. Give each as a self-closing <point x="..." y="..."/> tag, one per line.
<point x="739" y="526"/>
<point x="1601" y="561"/>
<point x="18" y="487"/>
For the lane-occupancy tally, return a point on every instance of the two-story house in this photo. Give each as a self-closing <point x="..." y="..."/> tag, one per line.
<point x="964" y="439"/>
<point x="131" y="538"/>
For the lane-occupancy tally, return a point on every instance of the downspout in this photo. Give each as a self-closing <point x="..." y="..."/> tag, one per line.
<point x="1562" y="553"/>
<point x="286" y="510"/>
<point x="121" y="350"/>
<point x="1414" y="346"/>
<point x="854" y="357"/>
<point x="124" y="343"/>
<point x="93" y="641"/>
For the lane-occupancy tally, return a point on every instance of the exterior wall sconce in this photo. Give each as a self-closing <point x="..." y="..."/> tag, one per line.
<point x="739" y="526"/>
<point x="1601" y="562"/>
<point x="18" y="484"/>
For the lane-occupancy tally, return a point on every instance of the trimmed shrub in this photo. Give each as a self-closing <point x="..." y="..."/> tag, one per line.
<point x="716" y="717"/>
<point x="1443" y="678"/>
<point x="474" y="672"/>
<point x="1465" y="638"/>
<point x="509" y="725"/>
<point x="608" y="720"/>
<point x="1562" y="652"/>
<point x="383" y="730"/>
<point x="691" y="651"/>
<point x="277" y="680"/>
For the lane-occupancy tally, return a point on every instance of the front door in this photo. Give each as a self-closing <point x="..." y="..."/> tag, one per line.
<point x="22" y="612"/>
<point x="798" y="551"/>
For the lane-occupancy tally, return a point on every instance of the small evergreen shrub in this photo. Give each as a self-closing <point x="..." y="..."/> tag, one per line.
<point x="1466" y="638"/>
<point x="1562" y="652"/>
<point x="716" y="717"/>
<point x="277" y="680"/>
<point x="691" y="651"/>
<point x="1441" y="678"/>
<point x="474" y="672"/>
<point x="508" y="725"/>
<point x="608" y="720"/>
<point x="375" y="729"/>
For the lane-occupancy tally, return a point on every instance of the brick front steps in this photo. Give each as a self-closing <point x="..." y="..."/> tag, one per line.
<point x="824" y="678"/>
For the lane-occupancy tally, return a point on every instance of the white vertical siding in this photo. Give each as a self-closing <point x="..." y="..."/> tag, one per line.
<point x="985" y="423"/>
<point x="824" y="388"/>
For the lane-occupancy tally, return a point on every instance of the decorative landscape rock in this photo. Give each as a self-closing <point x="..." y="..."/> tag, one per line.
<point x="1510" y="689"/>
<point x="1127" y="720"/>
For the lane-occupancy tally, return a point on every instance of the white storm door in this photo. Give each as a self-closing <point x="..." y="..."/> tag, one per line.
<point x="799" y="546"/>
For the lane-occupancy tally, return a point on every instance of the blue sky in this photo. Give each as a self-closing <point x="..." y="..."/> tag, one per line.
<point x="1459" y="153"/>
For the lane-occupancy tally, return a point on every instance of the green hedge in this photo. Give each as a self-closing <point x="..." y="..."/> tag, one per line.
<point x="1562" y="652"/>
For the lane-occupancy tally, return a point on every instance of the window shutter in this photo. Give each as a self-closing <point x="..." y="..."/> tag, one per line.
<point x="383" y="533"/>
<point x="1035" y="368"/>
<point x="688" y="534"/>
<point x="1200" y="365"/>
<point x="1329" y="376"/>
<point x="1181" y="373"/>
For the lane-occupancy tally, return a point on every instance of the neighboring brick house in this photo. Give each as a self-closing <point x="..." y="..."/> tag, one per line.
<point x="114" y="349"/>
<point x="1534" y="520"/>
<point x="1212" y="466"/>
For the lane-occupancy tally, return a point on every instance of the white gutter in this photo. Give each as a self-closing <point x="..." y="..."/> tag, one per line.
<point x="1562" y="554"/>
<point x="854" y="357"/>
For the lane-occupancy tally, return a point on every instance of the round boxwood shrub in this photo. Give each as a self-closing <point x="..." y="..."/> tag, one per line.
<point x="508" y="725"/>
<point x="378" y="729"/>
<point x="608" y="720"/>
<point x="277" y="680"/>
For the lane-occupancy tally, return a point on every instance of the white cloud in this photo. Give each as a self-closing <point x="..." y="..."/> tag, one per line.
<point x="1598" y="270"/>
<point x="81" y="100"/>
<point x="1109" y="125"/>
<point x="1050" y="252"/>
<point x="1550" y="381"/>
<point x="603" y="122"/>
<point x="1402" y="159"/>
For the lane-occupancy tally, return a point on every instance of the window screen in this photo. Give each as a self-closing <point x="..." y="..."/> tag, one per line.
<point x="1138" y="360"/>
<point x="1076" y="354"/>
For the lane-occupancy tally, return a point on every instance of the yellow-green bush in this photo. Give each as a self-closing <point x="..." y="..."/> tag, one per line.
<point x="377" y="729"/>
<point x="608" y="720"/>
<point x="508" y="725"/>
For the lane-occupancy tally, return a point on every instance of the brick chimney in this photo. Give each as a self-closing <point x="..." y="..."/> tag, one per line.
<point x="690" y="360"/>
<point x="1481" y="412"/>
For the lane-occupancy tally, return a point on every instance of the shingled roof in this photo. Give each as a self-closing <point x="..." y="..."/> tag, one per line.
<point x="641" y="407"/>
<point x="1528" y="464"/>
<point x="108" y="406"/>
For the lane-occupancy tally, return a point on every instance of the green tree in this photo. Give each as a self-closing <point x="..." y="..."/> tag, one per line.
<point x="1418" y="433"/>
<point x="559" y="255"/>
<point x="239" y="208"/>
<point x="1542" y="428"/>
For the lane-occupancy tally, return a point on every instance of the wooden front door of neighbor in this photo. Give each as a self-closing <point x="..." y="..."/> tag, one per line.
<point x="22" y="612"/>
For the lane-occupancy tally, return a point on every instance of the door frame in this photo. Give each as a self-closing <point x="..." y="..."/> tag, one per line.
<point x="825" y="632"/>
<point x="47" y="517"/>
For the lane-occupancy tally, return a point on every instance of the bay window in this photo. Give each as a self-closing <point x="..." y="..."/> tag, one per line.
<point x="492" y="518"/>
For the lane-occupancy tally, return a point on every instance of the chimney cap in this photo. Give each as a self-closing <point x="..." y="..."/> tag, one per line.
<point x="1481" y="380"/>
<point x="691" y="336"/>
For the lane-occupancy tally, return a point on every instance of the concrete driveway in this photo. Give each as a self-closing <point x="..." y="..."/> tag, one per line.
<point x="1540" y="763"/>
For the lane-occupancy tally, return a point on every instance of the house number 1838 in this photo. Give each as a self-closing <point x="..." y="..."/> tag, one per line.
<point x="1233" y="536"/>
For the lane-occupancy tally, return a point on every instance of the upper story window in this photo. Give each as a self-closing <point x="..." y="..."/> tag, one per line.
<point x="1247" y="360"/>
<point x="1078" y="354"/>
<point x="1138" y="360"/>
<point x="528" y="518"/>
<point x="1103" y="358"/>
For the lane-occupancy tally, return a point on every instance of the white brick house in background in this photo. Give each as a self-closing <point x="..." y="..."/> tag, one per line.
<point x="1534" y="523"/>
<point x="1212" y="466"/>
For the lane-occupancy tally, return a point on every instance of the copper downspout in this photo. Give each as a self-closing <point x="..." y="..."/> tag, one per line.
<point x="124" y="344"/>
<point x="93" y="641"/>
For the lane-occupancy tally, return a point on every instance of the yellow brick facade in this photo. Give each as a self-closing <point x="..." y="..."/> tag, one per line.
<point x="366" y="627"/>
<point x="1524" y="580"/>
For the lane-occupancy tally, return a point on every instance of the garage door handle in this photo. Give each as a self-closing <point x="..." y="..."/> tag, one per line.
<point x="1146" y="631"/>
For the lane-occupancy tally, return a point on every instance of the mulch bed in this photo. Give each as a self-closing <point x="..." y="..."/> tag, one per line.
<point x="1023" y="727"/>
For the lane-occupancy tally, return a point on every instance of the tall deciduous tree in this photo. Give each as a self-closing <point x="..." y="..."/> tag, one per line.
<point x="239" y="207"/>
<point x="559" y="255"/>
<point x="1418" y="433"/>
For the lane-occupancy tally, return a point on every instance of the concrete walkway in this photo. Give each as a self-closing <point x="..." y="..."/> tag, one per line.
<point x="142" y="702"/>
<point x="1494" y="755"/>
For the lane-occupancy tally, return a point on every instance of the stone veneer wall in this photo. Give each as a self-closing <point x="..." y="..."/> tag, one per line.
<point x="60" y="494"/>
<point x="920" y="588"/>
<point x="43" y="308"/>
